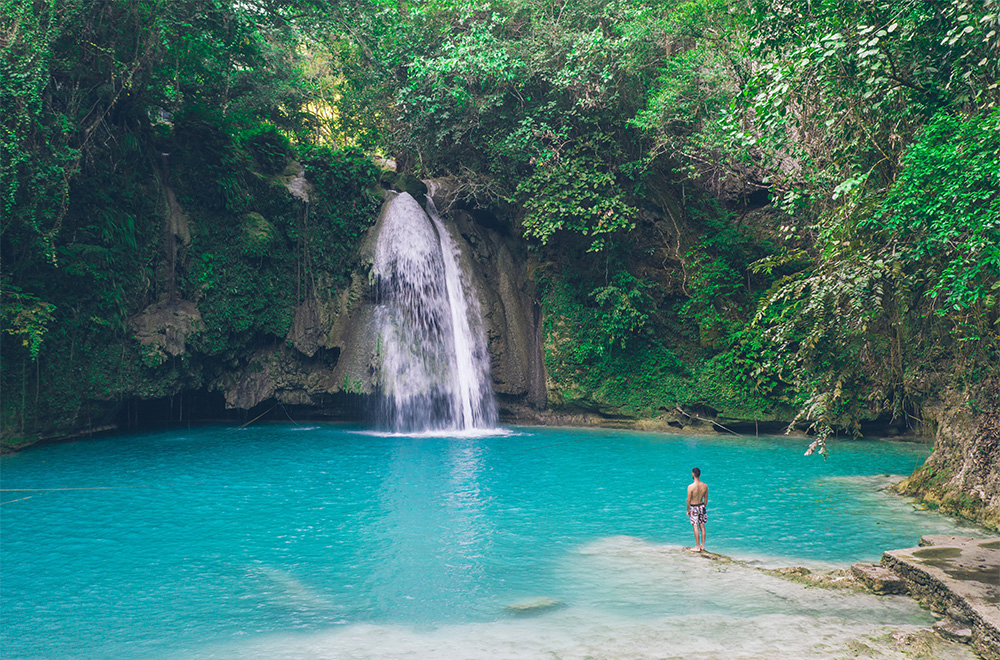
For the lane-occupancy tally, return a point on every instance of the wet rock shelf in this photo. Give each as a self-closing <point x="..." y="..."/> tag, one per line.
<point x="958" y="577"/>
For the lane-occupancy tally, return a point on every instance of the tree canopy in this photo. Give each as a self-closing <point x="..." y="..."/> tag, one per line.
<point x="827" y="172"/>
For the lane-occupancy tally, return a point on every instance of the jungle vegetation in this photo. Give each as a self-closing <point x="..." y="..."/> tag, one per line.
<point x="780" y="209"/>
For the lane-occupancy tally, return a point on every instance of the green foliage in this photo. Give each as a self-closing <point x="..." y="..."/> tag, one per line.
<point x="590" y="366"/>
<point x="722" y="291"/>
<point x="855" y="326"/>
<point x="107" y="111"/>
<point x="35" y="149"/>
<point x="574" y="194"/>
<point x="341" y="212"/>
<point x="658" y="369"/>
<point x="872" y="126"/>
<point x="269" y="148"/>
<point x="26" y="317"/>
<point x="705" y="67"/>
<point x="946" y="229"/>
<point x="842" y="90"/>
<point x="343" y="173"/>
<point x="517" y="101"/>
<point x="623" y="304"/>
<point x="726" y="383"/>
<point x="447" y="92"/>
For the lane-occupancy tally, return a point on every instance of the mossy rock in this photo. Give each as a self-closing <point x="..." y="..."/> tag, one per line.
<point x="259" y="235"/>
<point x="410" y="184"/>
<point x="269" y="148"/>
<point x="388" y="179"/>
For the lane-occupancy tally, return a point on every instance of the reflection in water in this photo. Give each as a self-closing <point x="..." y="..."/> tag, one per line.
<point x="432" y="536"/>
<point x="471" y="533"/>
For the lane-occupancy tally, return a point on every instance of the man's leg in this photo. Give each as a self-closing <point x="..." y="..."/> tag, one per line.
<point x="702" y="526"/>
<point x="697" y="538"/>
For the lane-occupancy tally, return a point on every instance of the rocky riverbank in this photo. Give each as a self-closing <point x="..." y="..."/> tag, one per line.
<point x="957" y="578"/>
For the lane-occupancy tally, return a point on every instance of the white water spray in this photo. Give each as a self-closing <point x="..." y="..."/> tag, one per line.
<point x="434" y="366"/>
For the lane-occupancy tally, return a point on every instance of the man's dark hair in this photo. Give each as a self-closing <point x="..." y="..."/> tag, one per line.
<point x="696" y="472"/>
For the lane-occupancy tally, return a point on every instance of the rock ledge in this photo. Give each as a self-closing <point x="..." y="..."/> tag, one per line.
<point x="960" y="577"/>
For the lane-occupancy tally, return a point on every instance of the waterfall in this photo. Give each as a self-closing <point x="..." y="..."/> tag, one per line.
<point x="433" y="363"/>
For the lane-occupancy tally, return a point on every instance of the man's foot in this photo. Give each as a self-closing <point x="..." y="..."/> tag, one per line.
<point x="695" y="549"/>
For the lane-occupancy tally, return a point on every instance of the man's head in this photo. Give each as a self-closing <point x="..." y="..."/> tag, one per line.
<point x="696" y="472"/>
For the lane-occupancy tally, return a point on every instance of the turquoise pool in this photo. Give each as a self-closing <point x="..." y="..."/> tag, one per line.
<point x="329" y="541"/>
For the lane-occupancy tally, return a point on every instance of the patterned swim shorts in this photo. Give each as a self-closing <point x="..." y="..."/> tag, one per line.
<point x="698" y="514"/>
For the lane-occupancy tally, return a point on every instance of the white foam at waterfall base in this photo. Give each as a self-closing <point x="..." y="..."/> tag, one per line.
<point x="627" y="598"/>
<point x="434" y="367"/>
<point x="454" y="434"/>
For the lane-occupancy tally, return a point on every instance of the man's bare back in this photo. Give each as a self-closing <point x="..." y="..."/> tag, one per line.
<point x="697" y="493"/>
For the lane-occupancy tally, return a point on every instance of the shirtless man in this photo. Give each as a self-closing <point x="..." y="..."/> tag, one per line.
<point x="696" y="503"/>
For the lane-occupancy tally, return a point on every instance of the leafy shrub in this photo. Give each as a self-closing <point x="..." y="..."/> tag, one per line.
<point x="269" y="148"/>
<point x="941" y="219"/>
<point x="623" y="303"/>
<point x="574" y="194"/>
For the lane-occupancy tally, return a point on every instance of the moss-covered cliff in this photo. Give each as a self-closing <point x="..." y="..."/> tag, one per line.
<point x="962" y="475"/>
<point x="177" y="264"/>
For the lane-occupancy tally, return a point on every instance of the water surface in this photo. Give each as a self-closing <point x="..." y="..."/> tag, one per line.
<point x="328" y="541"/>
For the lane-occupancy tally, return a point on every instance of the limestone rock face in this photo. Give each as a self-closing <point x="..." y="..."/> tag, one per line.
<point x="281" y="373"/>
<point x="294" y="178"/>
<point x="162" y="328"/>
<point x="962" y="476"/>
<point x="953" y="630"/>
<point x="959" y="577"/>
<point x="511" y="316"/>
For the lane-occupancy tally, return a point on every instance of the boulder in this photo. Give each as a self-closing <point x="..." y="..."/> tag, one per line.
<point x="294" y="179"/>
<point x="410" y="184"/>
<point x="954" y="631"/>
<point x="258" y="235"/>
<point x="388" y="179"/>
<point x="162" y="328"/>
<point x="879" y="579"/>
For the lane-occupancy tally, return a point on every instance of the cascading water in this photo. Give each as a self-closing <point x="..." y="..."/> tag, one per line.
<point x="434" y="366"/>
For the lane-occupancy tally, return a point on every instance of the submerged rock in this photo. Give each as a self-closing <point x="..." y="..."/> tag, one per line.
<point x="709" y="555"/>
<point x="258" y="235"/>
<point x="796" y="571"/>
<point x="533" y="607"/>
<point x="836" y="579"/>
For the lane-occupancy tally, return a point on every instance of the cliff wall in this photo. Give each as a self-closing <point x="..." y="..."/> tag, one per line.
<point x="962" y="475"/>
